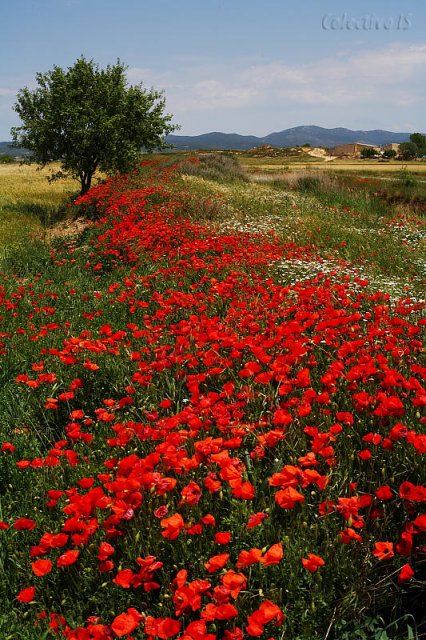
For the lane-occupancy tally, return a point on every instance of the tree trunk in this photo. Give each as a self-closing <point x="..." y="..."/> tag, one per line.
<point x="86" y="181"/>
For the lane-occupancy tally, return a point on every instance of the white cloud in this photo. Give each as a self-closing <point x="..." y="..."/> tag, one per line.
<point x="212" y="94"/>
<point x="352" y="78"/>
<point x="349" y="77"/>
<point x="378" y="83"/>
<point x="394" y="64"/>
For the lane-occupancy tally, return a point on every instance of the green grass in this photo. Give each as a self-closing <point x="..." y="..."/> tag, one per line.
<point x="355" y="227"/>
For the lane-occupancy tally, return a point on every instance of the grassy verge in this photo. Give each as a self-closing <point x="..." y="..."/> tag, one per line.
<point x="380" y="242"/>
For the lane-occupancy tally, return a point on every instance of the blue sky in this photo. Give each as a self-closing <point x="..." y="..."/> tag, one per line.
<point x="245" y="66"/>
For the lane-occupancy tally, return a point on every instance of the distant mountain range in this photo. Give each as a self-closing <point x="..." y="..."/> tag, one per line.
<point x="315" y="136"/>
<point x="6" y="150"/>
<point x="296" y="136"/>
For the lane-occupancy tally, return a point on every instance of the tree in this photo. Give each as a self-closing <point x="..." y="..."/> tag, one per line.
<point x="420" y="141"/>
<point x="368" y="152"/>
<point x="408" y="150"/>
<point x="389" y="153"/>
<point x="89" y="119"/>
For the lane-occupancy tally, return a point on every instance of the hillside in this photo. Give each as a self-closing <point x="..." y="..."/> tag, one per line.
<point x="315" y="136"/>
<point x="6" y="149"/>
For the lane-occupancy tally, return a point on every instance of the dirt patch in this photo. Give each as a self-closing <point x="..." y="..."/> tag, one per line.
<point x="63" y="229"/>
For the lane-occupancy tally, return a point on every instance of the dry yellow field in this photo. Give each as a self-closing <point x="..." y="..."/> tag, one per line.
<point x="333" y="165"/>
<point x="28" y="201"/>
<point x="20" y="182"/>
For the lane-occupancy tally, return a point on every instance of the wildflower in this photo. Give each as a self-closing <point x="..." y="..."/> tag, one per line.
<point x="267" y="612"/>
<point x="313" y="562"/>
<point x="41" y="567"/>
<point x="26" y="595"/>
<point x="23" y="524"/>
<point x="288" y="498"/>
<point x="273" y="555"/>
<point x="247" y="558"/>
<point x="383" y="550"/>
<point x="405" y="574"/>
<point x="172" y="526"/>
<point x="256" y="519"/>
<point x="217" y="562"/>
<point x="68" y="558"/>
<point x="222" y="537"/>
<point x="125" y="623"/>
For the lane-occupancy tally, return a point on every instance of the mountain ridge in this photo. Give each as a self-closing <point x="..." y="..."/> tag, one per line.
<point x="294" y="136"/>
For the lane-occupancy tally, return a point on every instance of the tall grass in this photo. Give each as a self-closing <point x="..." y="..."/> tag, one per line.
<point x="29" y="203"/>
<point x="221" y="167"/>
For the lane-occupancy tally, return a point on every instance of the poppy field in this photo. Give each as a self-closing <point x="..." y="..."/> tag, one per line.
<point x="195" y="446"/>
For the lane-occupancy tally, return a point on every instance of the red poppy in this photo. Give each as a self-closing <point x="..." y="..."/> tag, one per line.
<point x="197" y="630"/>
<point x="267" y="612"/>
<point x="191" y="494"/>
<point x="405" y="574"/>
<point x="125" y="623"/>
<point x="23" y="524"/>
<point x="216" y="562"/>
<point x="105" y="550"/>
<point x="383" y="550"/>
<point x="349" y="534"/>
<point x="222" y="612"/>
<point x="384" y="493"/>
<point x="172" y="526"/>
<point x="255" y="519"/>
<point x="124" y="578"/>
<point x="222" y="537"/>
<point x="233" y="582"/>
<point x="312" y="562"/>
<point x="420" y="522"/>
<point x="288" y="498"/>
<point x="67" y="558"/>
<point x="41" y="567"/>
<point x="26" y="595"/>
<point x="273" y="555"/>
<point x="7" y="446"/>
<point x="161" y="627"/>
<point x="247" y="558"/>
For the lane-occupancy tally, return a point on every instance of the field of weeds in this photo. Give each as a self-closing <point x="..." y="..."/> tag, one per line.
<point x="352" y="233"/>
<point x="212" y="417"/>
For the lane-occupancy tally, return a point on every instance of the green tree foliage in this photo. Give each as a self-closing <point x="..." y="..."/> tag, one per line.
<point x="368" y="152"/>
<point x="89" y="119"/>
<point x="408" y="150"/>
<point x="420" y="141"/>
<point x="389" y="153"/>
